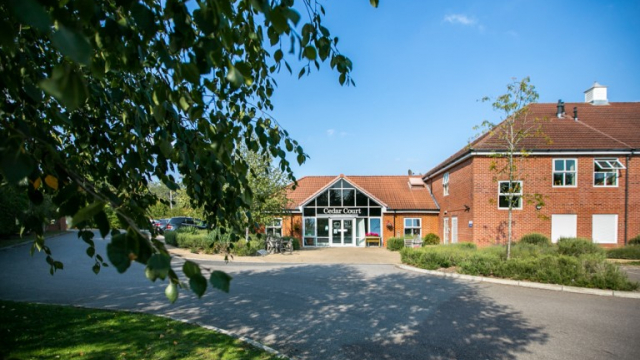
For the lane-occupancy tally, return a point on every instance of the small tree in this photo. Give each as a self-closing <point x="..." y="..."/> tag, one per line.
<point x="516" y="125"/>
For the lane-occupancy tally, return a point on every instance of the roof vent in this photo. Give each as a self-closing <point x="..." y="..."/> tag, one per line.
<point x="560" y="112"/>
<point x="596" y="95"/>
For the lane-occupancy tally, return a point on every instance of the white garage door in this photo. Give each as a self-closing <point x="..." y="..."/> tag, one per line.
<point x="564" y="225"/>
<point x="605" y="229"/>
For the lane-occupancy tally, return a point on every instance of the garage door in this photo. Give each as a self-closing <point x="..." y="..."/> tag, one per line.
<point x="605" y="229"/>
<point x="564" y="225"/>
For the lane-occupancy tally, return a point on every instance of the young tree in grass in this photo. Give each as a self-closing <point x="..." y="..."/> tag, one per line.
<point x="515" y="126"/>
<point x="100" y="98"/>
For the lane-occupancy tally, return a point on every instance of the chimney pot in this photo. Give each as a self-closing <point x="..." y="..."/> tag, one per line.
<point x="575" y="113"/>
<point x="560" y="112"/>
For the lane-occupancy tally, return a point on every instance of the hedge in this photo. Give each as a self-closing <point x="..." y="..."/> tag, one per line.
<point x="395" y="244"/>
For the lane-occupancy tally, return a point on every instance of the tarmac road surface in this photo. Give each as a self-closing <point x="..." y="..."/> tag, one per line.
<point x="340" y="311"/>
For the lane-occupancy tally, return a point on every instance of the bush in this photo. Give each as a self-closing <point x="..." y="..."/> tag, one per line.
<point x="170" y="237"/>
<point x="535" y="239"/>
<point x="431" y="239"/>
<point x="628" y="252"/>
<point x="634" y="241"/>
<point x="578" y="247"/>
<point x="395" y="244"/>
<point x="196" y="242"/>
<point x="529" y="262"/>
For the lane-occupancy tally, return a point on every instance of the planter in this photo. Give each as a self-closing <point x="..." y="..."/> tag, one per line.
<point x="371" y="240"/>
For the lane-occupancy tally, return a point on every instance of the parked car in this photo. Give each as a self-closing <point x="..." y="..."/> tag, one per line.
<point x="159" y="225"/>
<point x="176" y="223"/>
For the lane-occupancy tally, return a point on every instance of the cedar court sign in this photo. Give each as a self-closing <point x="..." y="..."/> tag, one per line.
<point x="345" y="211"/>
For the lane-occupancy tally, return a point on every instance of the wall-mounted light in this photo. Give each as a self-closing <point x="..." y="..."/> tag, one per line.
<point x="538" y="206"/>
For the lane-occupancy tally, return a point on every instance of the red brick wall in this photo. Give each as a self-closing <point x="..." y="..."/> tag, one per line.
<point x="478" y="184"/>
<point x="461" y="193"/>
<point x="429" y="224"/>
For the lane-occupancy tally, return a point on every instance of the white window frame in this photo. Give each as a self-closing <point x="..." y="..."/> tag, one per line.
<point x="445" y="184"/>
<point x="412" y="227"/>
<point x="507" y="194"/>
<point x="608" y="166"/>
<point x="276" y="224"/>
<point x="564" y="172"/>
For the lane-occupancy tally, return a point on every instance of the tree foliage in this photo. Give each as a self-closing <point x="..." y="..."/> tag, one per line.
<point x="98" y="98"/>
<point x="516" y="125"/>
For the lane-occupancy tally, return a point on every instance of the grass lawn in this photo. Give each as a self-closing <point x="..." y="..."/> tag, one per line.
<point x="16" y="239"/>
<point x="32" y="331"/>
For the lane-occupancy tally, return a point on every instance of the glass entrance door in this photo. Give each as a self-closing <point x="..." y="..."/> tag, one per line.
<point x="342" y="232"/>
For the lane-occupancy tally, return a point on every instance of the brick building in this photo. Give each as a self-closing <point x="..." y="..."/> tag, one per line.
<point x="585" y="171"/>
<point x="341" y="210"/>
<point x="581" y="178"/>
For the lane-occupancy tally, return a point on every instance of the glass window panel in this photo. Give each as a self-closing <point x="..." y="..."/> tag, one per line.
<point x="374" y="226"/>
<point x="373" y="203"/>
<point x="310" y="227"/>
<point x="558" y="179"/>
<point x="611" y="179"/>
<point x="323" y="228"/>
<point x="361" y="199"/>
<point x="309" y="211"/>
<point x="323" y="199"/>
<point x="598" y="179"/>
<point x="570" y="179"/>
<point x="571" y="165"/>
<point x="309" y="241"/>
<point x="348" y="197"/>
<point x="559" y="165"/>
<point x="407" y="222"/>
<point x="335" y="197"/>
<point x="375" y="212"/>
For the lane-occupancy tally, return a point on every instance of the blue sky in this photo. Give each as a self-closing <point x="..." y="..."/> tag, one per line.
<point x="420" y="68"/>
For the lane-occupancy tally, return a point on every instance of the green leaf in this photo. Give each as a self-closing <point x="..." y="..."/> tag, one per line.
<point x="87" y="213"/>
<point x="103" y="223"/>
<point x="310" y="52"/>
<point x="91" y="251"/>
<point x="171" y="292"/>
<point x="191" y="269"/>
<point x="220" y="280"/>
<point x="16" y="166"/>
<point x="72" y="44"/>
<point x="96" y="268"/>
<point x="235" y="77"/>
<point x="67" y="86"/>
<point x="118" y="252"/>
<point x="198" y="285"/>
<point x="158" y="267"/>
<point x="32" y="13"/>
<point x="374" y="3"/>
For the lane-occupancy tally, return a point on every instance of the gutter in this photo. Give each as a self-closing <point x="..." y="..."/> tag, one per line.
<point x="536" y="152"/>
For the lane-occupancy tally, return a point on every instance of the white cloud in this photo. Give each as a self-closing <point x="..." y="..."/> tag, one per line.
<point x="331" y="132"/>
<point x="460" y="19"/>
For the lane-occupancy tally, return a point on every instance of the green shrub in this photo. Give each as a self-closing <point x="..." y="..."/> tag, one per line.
<point x="188" y="230"/>
<point x="577" y="247"/>
<point x="431" y="239"/>
<point x="197" y="242"/>
<point x="627" y="252"/>
<point x="535" y="239"/>
<point x="634" y="241"/>
<point x="395" y="244"/>
<point x="529" y="262"/>
<point x="170" y="237"/>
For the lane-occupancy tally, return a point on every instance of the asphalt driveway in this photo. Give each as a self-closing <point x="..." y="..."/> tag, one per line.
<point x="363" y="311"/>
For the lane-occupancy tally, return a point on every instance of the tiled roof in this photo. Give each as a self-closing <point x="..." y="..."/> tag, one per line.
<point x="393" y="191"/>
<point x="615" y="126"/>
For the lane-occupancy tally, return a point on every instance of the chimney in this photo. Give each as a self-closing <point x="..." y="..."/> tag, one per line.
<point x="596" y="95"/>
<point x="560" y="112"/>
<point x="575" y="113"/>
<point x="410" y="172"/>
